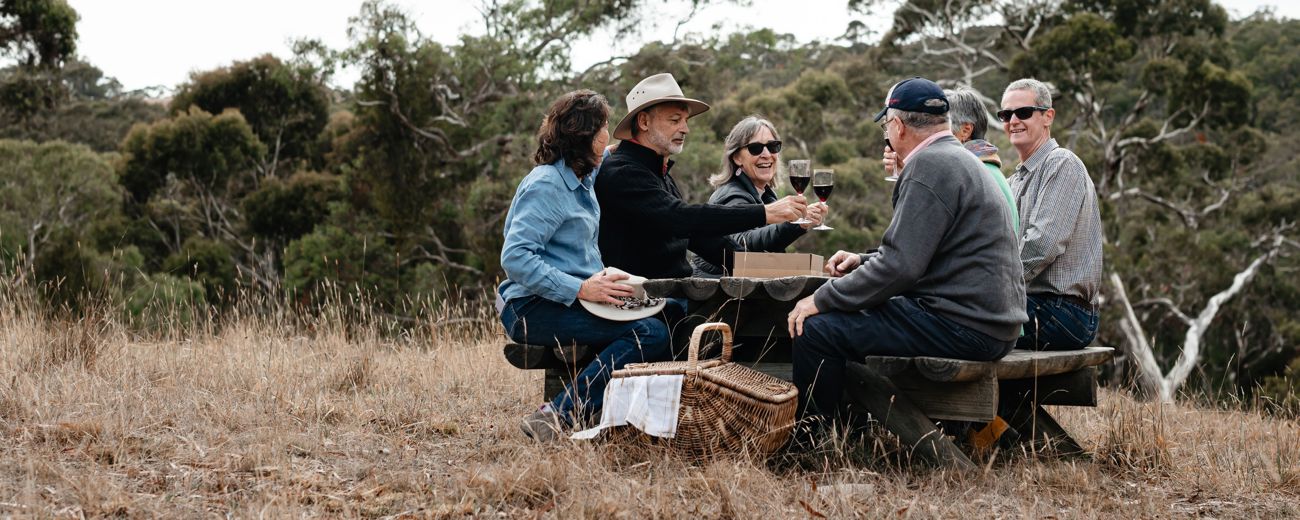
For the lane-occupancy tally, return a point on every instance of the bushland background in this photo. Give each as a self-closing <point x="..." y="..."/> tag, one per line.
<point x="182" y="272"/>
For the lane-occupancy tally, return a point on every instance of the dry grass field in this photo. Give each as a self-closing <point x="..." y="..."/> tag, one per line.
<point x="268" y="416"/>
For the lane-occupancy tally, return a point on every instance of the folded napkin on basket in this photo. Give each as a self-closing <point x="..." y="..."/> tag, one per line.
<point x="649" y="403"/>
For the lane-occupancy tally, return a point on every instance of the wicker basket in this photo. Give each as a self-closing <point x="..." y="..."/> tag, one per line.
<point x="726" y="408"/>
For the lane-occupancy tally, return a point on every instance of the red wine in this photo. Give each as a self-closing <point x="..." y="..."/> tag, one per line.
<point x="823" y="192"/>
<point x="799" y="183"/>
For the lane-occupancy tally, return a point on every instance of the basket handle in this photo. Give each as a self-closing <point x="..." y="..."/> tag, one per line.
<point x="694" y="351"/>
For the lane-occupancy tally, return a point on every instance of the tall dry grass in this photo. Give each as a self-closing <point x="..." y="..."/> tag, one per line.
<point x="269" y="413"/>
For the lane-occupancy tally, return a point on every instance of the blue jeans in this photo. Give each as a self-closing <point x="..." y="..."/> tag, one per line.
<point x="1057" y="324"/>
<point x="537" y="321"/>
<point x="901" y="326"/>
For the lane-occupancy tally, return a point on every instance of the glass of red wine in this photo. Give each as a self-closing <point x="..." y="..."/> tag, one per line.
<point x="800" y="174"/>
<point x="823" y="180"/>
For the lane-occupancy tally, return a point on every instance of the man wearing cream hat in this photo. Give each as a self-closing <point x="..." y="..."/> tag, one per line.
<point x="645" y="225"/>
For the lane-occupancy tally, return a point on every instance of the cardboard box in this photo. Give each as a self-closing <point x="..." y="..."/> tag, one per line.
<point x="776" y="265"/>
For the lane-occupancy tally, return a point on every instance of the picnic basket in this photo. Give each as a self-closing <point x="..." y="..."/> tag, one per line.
<point x="726" y="408"/>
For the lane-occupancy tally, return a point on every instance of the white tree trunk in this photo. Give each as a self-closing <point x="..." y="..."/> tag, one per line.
<point x="1150" y="376"/>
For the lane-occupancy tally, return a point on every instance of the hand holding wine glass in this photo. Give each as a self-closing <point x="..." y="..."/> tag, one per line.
<point x="815" y="215"/>
<point x="823" y="181"/>
<point x="892" y="162"/>
<point x="799" y="173"/>
<point x="786" y="209"/>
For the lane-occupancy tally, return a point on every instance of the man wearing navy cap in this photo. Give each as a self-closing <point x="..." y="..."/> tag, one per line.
<point x="945" y="280"/>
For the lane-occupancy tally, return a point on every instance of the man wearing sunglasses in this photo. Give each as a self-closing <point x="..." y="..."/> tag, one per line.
<point x="945" y="280"/>
<point x="1059" y="221"/>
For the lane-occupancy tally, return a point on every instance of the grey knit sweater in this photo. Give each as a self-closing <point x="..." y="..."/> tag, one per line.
<point x="950" y="245"/>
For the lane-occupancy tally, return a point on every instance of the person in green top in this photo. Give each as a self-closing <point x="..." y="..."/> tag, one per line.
<point x="969" y="124"/>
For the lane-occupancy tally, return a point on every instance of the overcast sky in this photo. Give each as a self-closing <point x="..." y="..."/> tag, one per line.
<point x="146" y="43"/>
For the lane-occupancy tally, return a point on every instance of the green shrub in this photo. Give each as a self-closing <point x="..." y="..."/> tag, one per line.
<point x="160" y="300"/>
<point x="207" y="262"/>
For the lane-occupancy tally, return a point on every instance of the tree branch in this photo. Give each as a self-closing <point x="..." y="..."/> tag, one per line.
<point x="1169" y="304"/>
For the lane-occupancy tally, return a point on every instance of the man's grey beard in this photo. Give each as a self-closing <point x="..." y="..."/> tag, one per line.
<point x="665" y="143"/>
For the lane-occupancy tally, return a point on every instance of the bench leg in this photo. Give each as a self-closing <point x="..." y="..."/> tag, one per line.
<point x="1036" y="425"/>
<point x="886" y="403"/>
<point x="1022" y="400"/>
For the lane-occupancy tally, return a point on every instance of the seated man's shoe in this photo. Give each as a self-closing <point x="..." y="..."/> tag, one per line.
<point x="996" y="434"/>
<point x="544" y="425"/>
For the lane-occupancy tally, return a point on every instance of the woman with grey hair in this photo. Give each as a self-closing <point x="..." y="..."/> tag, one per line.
<point x="969" y="124"/>
<point x="748" y="176"/>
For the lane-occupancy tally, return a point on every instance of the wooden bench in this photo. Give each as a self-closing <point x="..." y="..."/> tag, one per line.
<point x="561" y="363"/>
<point x="908" y="396"/>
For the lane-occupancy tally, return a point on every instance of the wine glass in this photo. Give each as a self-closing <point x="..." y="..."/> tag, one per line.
<point x="823" y="180"/>
<point x="799" y="174"/>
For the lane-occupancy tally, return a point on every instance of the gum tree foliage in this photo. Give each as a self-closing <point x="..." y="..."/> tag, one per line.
<point x="286" y="104"/>
<point x="50" y="188"/>
<point x="285" y="210"/>
<point x="96" y="112"/>
<point x="39" y="35"/>
<point x="184" y="177"/>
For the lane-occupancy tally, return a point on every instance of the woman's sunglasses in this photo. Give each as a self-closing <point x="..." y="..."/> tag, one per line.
<point x="1023" y="113"/>
<point x="757" y="148"/>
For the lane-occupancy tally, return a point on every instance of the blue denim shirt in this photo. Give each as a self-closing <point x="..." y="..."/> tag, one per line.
<point x="551" y="235"/>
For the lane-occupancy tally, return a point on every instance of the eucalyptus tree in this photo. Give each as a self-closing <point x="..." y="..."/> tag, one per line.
<point x="49" y="188"/>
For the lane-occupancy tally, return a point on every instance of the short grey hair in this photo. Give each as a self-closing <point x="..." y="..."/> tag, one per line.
<point x="1042" y="92"/>
<point x="918" y="120"/>
<point x="740" y="136"/>
<point x="967" y="108"/>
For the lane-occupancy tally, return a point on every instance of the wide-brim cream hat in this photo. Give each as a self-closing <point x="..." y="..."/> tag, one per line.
<point x="659" y="88"/>
<point x="639" y="307"/>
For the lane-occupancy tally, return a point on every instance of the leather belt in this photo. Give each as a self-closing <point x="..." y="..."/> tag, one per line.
<point x="1077" y="301"/>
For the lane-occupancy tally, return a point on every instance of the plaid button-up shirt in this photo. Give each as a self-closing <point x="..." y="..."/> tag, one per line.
<point x="1060" y="225"/>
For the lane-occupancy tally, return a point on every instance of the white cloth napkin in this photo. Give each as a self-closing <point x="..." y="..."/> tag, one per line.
<point x="649" y="403"/>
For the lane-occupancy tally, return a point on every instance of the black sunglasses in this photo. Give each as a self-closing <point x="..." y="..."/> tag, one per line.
<point x="1023" y="113"/>
<point x="757" y="148"/>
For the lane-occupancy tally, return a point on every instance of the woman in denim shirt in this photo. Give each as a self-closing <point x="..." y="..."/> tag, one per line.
<point x="552" y="260"/>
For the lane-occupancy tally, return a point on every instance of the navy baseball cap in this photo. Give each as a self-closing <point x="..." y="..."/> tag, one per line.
<point x="915" y="95"/>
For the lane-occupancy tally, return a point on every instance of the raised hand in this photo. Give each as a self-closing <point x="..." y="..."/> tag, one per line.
<point x="787" y="209"/>
<point x="892" y="162"/>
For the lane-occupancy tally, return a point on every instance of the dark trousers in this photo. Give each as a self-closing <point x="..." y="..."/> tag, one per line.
<point x="900" y="327"/>
<point x="1056" y="323"/>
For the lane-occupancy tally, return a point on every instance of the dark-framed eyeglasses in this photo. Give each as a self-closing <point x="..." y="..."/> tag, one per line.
<point x="1022" y="112"/>
<point x="757" y="148"/>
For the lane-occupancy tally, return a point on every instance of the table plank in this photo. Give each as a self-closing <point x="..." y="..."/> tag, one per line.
<point x="792" y="288"/>
<point x="695" y="289"/>
<point x="785" y="289"/>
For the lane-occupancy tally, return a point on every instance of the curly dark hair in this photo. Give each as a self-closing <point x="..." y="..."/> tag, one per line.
<point x="570" y="126"/>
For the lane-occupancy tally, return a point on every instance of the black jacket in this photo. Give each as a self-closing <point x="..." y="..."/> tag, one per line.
<point x="646" y="227"/>
<point x="772" y="238"/>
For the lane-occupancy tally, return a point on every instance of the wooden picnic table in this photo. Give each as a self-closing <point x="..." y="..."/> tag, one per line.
<point x="907" y="395"/>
